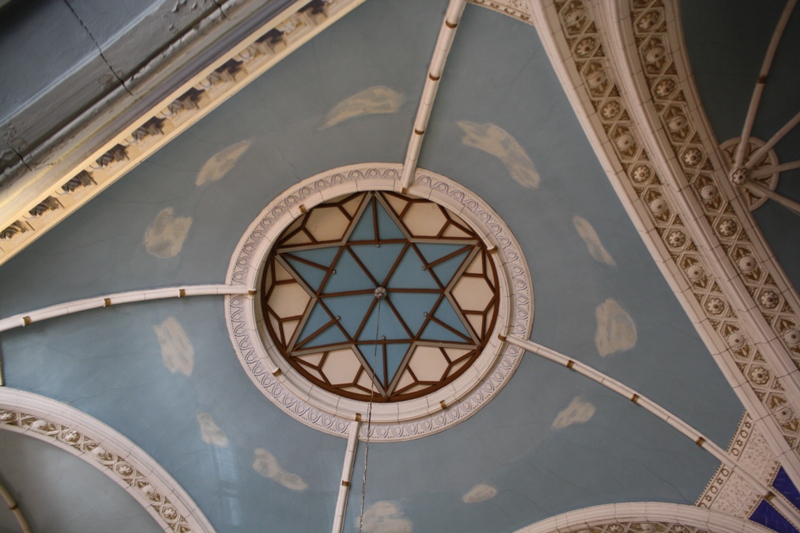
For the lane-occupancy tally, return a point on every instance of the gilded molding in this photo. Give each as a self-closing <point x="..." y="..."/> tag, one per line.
<point x="108" y="451"/>
<point x="240" y="65"/>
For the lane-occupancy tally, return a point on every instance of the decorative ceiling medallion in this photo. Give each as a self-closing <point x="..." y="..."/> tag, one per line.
<point x="380" y="296"/>
<point x="361" y="292"/>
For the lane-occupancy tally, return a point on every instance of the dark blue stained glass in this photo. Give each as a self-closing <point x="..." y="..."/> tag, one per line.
<point x="348" y="276"/>
<point x="410" y="274"/>
<point x="435" y="332"/>
<point x="387" y="229"/>
<point x="321" y="256"/>
<point x="785" y="486"/>
<point x="351" y="310"/>
<point x="447" y="269"/>
<point x="311" y="275"/>
<point x="331" y="335"/>
<point x="394" y="356"/>
<point x="390" y="326"/>
<point x="412" y="306"/>
<point x="434" y="252"/>
<point x="379" y="260"/>
<point x="316" y="320"/>
<point x="365" y="227"/>
<point x="766" y="515"/>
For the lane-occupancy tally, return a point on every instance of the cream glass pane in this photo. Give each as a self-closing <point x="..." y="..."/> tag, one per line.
<point x="288" y="329"/>
<point x="455" y="368"/>
<point x="327" y="223"/>
<point x="424" y="220"/>
<point x="472" y="294"/>
<point x="352" y="206"/>
<point x="313" y="358"/>
<point x="281" y="273"/>
<point x="455" y="231"/>
<point x="476" y="266"/>
<point x="300" y="238"/>
<point x="428" y="363"/>
<point x="289" y="299"/>
<point x="341" y="366"/>
<point x="405" y="380"/>
<point x="476" y="321"/>
<point x="398" y="204"/>
<point x="365" y="381"/>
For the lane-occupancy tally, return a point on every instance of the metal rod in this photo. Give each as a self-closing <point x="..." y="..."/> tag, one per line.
<point x="768" y="171"/>
<point x="760" y="190"/>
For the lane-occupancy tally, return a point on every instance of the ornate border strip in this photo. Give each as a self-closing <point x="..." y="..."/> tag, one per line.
<point x="397" y="421"/>
<point x="644" y="517"/>
<point x="21" y="224"/>
<point x="656" y="207"/>
<point x="513" y="8"/>
<point x="108" y="451"/>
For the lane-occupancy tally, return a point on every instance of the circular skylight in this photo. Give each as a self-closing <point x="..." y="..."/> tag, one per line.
<point x="359" y="293"/>
<point x="375" y="295"/>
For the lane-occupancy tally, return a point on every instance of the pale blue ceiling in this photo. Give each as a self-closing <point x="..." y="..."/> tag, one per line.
<point x="109" y="363"/>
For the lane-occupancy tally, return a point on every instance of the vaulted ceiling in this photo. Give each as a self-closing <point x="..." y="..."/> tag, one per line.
<point x="550" y="113"/>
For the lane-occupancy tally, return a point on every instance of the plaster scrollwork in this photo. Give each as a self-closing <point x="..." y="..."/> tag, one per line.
<point x="727" y="491"/>
<point x="571" y="34"/>
<point x="643" y="517"/>
<point x="108" y="451"/>
<point x="513" y="8"/>
<point x="390" y="421"/>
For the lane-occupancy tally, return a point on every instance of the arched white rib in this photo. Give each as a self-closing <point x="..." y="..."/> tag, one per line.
<point x="14" y="508"/>
<point x="760" y="190"/>
<point x="45" y="313"/>
<point x="756" y="156"/>
<point x="669" y="513"/>
<point x="762" y="80"/>
<point x="446" y="35"/>
<point x="768" y="171"/>
<point x="701" y="440"/>
<point x="150" y="473"/>
<point x="347" y="477"/>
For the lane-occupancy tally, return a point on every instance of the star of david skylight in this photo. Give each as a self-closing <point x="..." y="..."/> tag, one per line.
<point x="428" y="321"/>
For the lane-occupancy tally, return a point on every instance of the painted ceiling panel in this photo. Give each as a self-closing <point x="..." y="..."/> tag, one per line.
<point x="726" y="43"/>
<point x="59" y="493"/>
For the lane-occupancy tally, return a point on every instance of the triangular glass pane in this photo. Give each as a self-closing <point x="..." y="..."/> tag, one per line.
<point x="390" y="327"/>
<point x="379" y="260"/>
<point x="371" y="355"/>
<point x="365" y="227"/>
<point x="445" y="270"/>
<point x="318" y="318"/>
<point x="321" y="256"/>
<point x="412" y="306"/>
<point x="409" y="274"/>
<point x="351" y="310"/>
<point x="331" y="335"/>
<point x="311" y="275"/>
<point x="434" y="252"/>
<point x="447" y="314"/>
<point x="348" y="276"/>
<point x="435" y="332"/>
<point x="394" y="356"/>
<point x="387" y="229"/>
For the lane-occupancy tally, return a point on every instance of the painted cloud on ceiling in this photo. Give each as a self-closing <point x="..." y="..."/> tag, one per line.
<point x="589" y="236"/>
<point x="479" y="493"/>
<point x="373" y="101"/>
<point x="577" y="412"/>
<point x="266" y="465"/>
<point x="221" y="163"/>
<point x="385" y="517"/>
<point x="616" y="331"/>
<point x="176" y="349"/>
<point x="164" y="238"/>
<point x="496" y="141"/>
<point x="210" y="432"/>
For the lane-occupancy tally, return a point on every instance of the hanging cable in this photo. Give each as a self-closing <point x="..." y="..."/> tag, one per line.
<point x="380" y="294"/>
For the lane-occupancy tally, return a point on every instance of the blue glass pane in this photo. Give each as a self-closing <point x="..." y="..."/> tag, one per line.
<point x="387" y="229"/>
<point x="434" y="252"/>
<point x="766" y="515"/>
<point x="321" y="256"/>
<point x="785" y="486"/>
<point x="390" y="327"/>
<point x="365" y="228"/>
<point x="316" y="320"/>
<point x="348" y="276"/>
<point x="351" y="310"/>
<point x="394" y="356"/>
<point x="311" y="275"/>
<point x="445" y="271"/>
<point x="378" y="260"/>
<point x="332" y="335"/>
<point x="410" y="275"/>
<point x="412" y="306"/>
<point x="447" y="314"/>
<point x="435" y="332"/>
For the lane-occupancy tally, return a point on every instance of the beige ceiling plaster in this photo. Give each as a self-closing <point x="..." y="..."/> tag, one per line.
<point x="375" y="100"/>
<point x="496" y="141"/>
